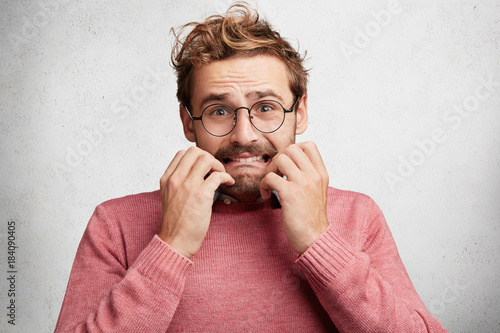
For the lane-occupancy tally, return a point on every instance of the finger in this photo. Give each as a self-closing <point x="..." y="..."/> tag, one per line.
<point x="270" y="182"/>
<point x="191" y="159"/>
<point x="282" y="164"/>
<point x="171" y="167"/>
<point x="312" y="152"/>
<point x="304" y="156"/>
<point x="216" y="179"/>
<point x="204" y="165"/>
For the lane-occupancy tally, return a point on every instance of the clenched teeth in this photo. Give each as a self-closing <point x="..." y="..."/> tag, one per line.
<point x="249" y="159"/>
<point x="261" y="158"/>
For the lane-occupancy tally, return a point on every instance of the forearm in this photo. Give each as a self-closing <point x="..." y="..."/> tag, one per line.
<point x="143" y="298"/>
<point x="360" y="296"/>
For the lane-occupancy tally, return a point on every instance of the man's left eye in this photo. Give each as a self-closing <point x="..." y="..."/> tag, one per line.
<point x="265" y="108"/>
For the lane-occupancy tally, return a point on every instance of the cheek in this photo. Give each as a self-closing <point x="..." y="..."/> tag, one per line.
<point x="208" y="142"/>
<point x="285" y="136"/>
<point x="282" y="138"/>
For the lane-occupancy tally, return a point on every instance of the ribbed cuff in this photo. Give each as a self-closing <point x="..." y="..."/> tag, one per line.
<point x="161" y="263"/>
<point x="323" y="261"/>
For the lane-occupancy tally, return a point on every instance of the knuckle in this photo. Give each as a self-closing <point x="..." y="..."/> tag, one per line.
<point x="316" y="178"/>
<point x="172" y="182"/>
<point x="266" y="178"/>
<point x="221" y="176"/>
<point x="326" y="179"/>
<point x="292" y="148"/>
<point x="185" y="186"/>
<point x="193" y="150"/>
<point x="310" y="144"/>
<point x="163" y="180"/>
<point x="205" y="157"/>
<point x="281" y="158"/>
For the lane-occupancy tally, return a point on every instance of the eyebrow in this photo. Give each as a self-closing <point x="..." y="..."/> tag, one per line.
<point x="265" y="93"/>
<point x="214" y="98"/>
<point x="257" y="94"/>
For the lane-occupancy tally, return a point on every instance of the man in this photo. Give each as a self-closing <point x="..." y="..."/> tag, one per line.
<point x="244" y="235"/>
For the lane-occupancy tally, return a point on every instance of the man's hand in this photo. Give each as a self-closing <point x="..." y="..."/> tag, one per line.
<point x="187" y="196"/>
<point x="303" y="194"/>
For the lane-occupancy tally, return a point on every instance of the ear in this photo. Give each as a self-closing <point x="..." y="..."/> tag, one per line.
<point x="187" y="123"/>
<point x="301" y="115"/>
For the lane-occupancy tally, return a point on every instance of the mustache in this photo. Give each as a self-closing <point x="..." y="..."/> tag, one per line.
<point x="264" y="149"/>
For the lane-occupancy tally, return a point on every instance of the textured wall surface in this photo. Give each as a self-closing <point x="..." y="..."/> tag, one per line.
<point x="404" y="103"/>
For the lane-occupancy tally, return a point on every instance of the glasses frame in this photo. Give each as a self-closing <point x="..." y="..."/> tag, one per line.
<point x="285" y="111"/>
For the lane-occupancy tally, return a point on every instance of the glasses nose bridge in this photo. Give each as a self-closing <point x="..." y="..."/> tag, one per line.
<point x="242" y="107"/>
<point x="249" y="110"/>
<point x="236" y="114"/>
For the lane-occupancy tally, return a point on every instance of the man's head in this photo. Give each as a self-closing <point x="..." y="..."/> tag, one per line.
<point x="240" y="32"/>
<point x="239" y="61"/>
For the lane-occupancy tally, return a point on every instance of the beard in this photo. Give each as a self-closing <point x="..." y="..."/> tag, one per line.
<point x="246" y="184"/>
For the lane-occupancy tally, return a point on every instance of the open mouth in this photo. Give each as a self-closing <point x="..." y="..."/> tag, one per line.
<point x="258" y="158"/>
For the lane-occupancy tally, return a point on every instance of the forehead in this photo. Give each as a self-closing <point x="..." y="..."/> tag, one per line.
<point x="240" y="77"/>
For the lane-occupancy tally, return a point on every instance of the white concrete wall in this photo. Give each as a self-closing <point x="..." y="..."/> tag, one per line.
<point x="77" y="128"/>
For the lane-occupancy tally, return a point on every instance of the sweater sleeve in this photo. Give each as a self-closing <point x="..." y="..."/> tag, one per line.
<point x="365" y="289"/>
<point x="104" y="295"/>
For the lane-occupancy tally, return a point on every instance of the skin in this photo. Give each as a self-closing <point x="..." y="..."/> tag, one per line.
<point x="187" y="193"/>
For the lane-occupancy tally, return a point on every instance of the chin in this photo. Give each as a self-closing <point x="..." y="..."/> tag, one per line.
<point x="244" y="186"/>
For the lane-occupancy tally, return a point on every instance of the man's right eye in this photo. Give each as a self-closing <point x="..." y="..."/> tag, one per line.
<point x="219" y="112"/>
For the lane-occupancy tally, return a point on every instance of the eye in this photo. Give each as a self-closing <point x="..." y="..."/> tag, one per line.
<point x="265" y="107"/>
<point x="217" y="111"/>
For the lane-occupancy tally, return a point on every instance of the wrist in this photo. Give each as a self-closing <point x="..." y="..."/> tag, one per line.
<point x="309" y="238"/>
<point x="177" y="245"/>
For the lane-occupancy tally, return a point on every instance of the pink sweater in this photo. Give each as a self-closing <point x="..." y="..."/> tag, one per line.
<point x="245" y="278"/>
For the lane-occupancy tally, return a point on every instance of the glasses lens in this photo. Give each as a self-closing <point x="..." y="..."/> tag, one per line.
<point x="218" y="119"/>
<point x="267" y="116"/>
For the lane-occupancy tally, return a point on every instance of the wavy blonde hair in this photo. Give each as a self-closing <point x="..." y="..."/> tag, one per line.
<point x="239" y="32"/>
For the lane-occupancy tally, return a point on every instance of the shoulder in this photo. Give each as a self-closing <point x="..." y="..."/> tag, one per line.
<point x="354" y="215"/>
<point x="133" y="200"/>
<point x="124" y="226"/>
<point x="352" y="207"/>
<point x="132" y="205"/>
<point x="132" y="216"/>
<point x="349" y="199"/>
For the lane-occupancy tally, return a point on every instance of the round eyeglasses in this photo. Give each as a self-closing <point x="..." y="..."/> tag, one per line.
<point x="220" y="119"/>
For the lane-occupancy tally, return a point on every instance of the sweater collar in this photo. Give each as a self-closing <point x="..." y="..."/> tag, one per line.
<point x="230" y="199"/>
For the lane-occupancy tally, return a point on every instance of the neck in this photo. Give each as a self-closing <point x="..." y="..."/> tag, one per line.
<point x="241" y="197"/>
<point x="247" y="198"/>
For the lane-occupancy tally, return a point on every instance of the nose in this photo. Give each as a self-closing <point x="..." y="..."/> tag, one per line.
<point x="243" y="133"/>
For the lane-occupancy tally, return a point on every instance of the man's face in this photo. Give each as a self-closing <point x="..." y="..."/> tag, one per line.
<point x="245" y="152"/>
